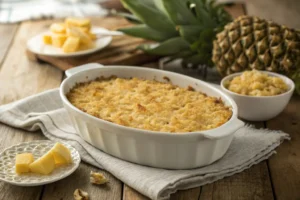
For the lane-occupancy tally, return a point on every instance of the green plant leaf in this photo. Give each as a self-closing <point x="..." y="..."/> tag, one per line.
<point x="148" y="13"/>
<point x="143" y="31"/>
<point x="190" y="32"/>
<point x="130" y="17"/>
<point x="169" y="47"/>
<point x="203" y="13"/>
<point x="179" y="12"/>
<point x="199" y="59"/>
<point x="159" y="4"/>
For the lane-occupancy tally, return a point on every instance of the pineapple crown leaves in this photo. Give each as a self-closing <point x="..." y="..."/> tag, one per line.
<point x="187" y="26"/>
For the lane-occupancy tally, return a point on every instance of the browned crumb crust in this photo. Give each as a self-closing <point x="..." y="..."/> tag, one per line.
<point x="150" y="105"/>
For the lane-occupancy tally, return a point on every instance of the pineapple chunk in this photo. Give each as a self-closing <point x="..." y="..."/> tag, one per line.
<point x="23" y="161"/>
<point x="83" y="47"/>
<point x="85" y="29"/>
<point x="71" y="36"/>
<point x="58" y="28"/>
<point x="84" y="37"/>
<point x="58" y="40"/>
<point x="61" y="154"/>
<point x="79" y="22"/>
<point x="47" y="39"/>
<point x="71" y="44"/>
<point x="44" y="165"/>
<point x="92" y="36"/>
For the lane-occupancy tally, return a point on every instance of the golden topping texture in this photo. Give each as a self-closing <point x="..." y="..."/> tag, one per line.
<point x="150" y="105"/>
<point x="255" y="83"/>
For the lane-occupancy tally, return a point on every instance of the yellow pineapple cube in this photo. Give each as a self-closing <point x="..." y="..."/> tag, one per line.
<point x="58" y="28"/>
<point x="23" y="161"/>
<point x="44" y="165"/>
<point x="61" y="154"/>
<point x="71" y="44"/>
<point x="84" y="37"/>
<point x="85" y="29"/>
<point x="47" y="39"/>
<point x="92" y="36"/>
<point x="58" y="40"/>
<point x="83" y="47"/>
<point x="79" y="22"/>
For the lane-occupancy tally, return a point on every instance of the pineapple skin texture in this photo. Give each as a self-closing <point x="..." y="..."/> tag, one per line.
<point x="253" y="43"/>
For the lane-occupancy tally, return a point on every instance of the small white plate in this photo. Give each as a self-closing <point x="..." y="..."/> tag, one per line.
<point x="36" y="45"/>
<point x="37" y="148"/>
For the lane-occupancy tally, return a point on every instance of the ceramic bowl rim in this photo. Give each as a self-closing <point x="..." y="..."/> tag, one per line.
<point x="290" y="83"/>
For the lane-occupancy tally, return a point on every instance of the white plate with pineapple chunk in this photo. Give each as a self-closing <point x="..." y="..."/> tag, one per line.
<point x="74" y="37"/>
<point x="38" y="149"/>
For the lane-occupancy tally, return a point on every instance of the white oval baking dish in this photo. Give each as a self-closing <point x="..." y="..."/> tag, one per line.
<point x="155" y="149"/>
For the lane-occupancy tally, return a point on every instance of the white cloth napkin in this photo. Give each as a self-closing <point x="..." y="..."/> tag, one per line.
<point x="45" y="111"/>
<point x="12" y="11"/>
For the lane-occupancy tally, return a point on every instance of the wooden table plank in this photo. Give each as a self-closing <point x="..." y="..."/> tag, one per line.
<point x="285" y="165"/>
<point x="65" y="188"/>
<point x="7" y="33"/>
<point x="253" y="183"/>
<point x="20" y="78"/>
<point x="190" y="194"/>
<point x="131" y="194"/>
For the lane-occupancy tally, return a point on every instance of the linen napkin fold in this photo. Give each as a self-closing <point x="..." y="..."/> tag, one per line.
<point x="45" y="111"/>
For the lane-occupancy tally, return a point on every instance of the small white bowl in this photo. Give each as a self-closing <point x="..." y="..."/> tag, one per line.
<point x="260" y="108"/>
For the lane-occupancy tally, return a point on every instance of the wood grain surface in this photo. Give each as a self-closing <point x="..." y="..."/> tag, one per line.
<point x="65" y="188"/>
<point x="7" y="33"/>
<point x="285" y="165"/>
<point x="20" y="77"/>
<point x="253" y="183"/>
<point x="131" y="194"/>
<point x="191" y="194"/>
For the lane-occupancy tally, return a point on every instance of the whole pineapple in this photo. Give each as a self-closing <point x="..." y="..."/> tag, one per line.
<point x="203" y="33"/>
<point x="253" y="43"/>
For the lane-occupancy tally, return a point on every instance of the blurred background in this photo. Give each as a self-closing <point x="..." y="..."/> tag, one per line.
<point x="12" y="11"/>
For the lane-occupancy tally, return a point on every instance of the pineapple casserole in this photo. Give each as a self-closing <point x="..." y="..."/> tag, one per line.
<point x="255" y="83"/>
<point x="149" y="104"/>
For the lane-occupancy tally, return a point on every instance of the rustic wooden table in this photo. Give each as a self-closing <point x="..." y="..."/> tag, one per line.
<point x="277" y="178"/>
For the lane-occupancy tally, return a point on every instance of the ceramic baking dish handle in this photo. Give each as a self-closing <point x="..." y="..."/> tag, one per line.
<point x="228" y="129"/>
<point x="80" y="68"/>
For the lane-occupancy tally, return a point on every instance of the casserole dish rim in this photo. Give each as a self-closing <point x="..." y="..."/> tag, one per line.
<point x="215" y="133"/>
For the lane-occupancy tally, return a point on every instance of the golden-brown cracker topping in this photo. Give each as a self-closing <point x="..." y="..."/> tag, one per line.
<point x="149" y="104"/>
